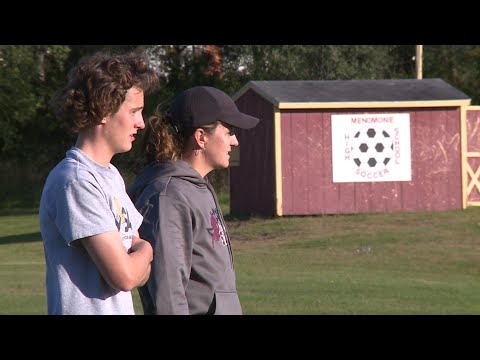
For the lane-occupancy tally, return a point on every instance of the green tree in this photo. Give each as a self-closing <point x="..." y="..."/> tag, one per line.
<point x="28" y="76"/>
<point x="316" y="62"/>
<point x="459" y="65"/>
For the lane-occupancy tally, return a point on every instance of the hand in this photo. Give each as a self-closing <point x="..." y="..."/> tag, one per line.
<point x="141" y="244"/>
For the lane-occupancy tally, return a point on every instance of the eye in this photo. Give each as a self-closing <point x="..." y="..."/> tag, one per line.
<point x="230" y="129"/>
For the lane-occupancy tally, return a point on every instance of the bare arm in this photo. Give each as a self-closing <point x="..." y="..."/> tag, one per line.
<point x="120" y="269"/>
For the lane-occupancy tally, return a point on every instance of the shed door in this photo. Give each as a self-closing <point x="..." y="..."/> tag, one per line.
<point x="473" y="156"/>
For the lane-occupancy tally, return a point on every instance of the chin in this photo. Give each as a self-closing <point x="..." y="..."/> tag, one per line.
<point x="124" y="150"/>
<point x="222" y="166"/>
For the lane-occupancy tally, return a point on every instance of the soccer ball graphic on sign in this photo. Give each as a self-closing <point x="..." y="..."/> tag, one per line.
<point x="372" y="148"/>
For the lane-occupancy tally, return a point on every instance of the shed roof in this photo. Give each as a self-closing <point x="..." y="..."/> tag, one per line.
<point x="325" y="93"/>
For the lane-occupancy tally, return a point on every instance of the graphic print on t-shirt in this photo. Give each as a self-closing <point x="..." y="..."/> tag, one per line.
<point x="122" y="218"/>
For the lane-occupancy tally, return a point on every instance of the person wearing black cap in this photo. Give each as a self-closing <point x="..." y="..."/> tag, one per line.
<point x="192" y="270"/>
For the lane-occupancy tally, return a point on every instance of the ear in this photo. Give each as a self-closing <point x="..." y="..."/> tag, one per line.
<point x="200" y="138"/>
<point x="104" y="120"/>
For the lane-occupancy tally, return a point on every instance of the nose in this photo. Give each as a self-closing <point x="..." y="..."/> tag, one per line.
<point x="140" y="123"/>
<point x="234" y="140"/>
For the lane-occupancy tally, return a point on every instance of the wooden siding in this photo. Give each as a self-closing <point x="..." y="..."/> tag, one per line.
<point x="307" y="166"/>
<point x="473" y="156"/>
<point x="252" y="183"/>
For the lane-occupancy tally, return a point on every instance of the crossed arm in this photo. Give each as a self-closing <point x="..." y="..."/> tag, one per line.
<point x="122" y="270"/>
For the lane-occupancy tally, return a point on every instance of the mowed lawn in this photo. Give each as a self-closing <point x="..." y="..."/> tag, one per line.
<point x="399" y="263"/>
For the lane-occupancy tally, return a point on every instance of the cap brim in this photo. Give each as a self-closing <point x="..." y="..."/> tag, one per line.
<point x="240" y="120"/>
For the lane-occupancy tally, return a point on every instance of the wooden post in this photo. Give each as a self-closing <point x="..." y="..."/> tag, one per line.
<point x="419" y="58"/>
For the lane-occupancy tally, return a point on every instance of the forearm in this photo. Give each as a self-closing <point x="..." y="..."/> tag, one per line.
<point x="140" y="256"/>
<point x="122" y="270"/>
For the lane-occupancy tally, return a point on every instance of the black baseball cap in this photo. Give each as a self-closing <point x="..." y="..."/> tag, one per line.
<point x="202" y="105"/>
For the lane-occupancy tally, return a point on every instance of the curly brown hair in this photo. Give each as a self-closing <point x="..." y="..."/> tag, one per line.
<point x="98" y="85"/>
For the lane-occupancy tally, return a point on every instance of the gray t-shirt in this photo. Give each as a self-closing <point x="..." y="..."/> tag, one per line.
<point x="82" y="198"/>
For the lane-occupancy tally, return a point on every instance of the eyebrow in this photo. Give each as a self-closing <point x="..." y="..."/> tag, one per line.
<point x="137" y="108"/>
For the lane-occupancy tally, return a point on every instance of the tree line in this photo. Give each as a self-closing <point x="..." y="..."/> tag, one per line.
<point x="32" y="141"/>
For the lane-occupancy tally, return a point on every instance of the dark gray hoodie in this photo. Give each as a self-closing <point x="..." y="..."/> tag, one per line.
<point x="192" y="268"/>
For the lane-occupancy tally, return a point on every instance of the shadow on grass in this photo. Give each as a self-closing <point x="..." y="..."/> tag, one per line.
<point x="18" y="211"/>
<point x="237" y="217"/>
<point x="23" y="238"/>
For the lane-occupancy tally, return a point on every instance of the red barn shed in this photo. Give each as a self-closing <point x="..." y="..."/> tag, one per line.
<point x="351" y="146"/>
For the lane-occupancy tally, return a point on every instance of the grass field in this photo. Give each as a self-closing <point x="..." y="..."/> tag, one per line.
<point x="400" y="263"/>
